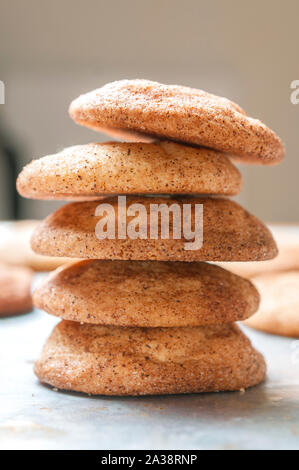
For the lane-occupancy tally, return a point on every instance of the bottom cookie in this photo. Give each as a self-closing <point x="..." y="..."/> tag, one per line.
<point x="109" y="360"/>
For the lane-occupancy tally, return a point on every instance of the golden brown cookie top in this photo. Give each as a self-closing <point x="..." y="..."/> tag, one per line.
<point x="230" y="233"/>
<point x="147" y="293"/>
<point x="107" y="168"/>
<point x="142" y="108"/>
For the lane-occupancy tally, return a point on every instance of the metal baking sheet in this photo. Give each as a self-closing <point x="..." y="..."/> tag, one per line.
<point x="33" y="416"/>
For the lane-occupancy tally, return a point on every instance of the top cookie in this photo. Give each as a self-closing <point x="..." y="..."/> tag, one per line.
<point x="138" y="108"/>
<point x="89" y="171"/>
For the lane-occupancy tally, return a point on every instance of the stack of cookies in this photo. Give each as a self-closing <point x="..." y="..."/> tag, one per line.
<point x="146" y="314"/>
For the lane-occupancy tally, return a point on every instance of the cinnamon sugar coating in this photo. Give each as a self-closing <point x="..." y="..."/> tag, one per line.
<point x="92" y="170"/>
<point x="147" y="294"/>
<point x="131" y="107"/>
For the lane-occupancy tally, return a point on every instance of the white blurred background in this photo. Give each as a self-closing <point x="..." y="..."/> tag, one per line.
<point x="52" y="51"/>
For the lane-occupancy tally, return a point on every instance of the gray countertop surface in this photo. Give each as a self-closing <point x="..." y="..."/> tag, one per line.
<point x="33" y="416"/>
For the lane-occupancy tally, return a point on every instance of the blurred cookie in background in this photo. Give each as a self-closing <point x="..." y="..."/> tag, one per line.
<point x="15" y="247"/>
<point x="279" y="309"/>
<point x="15" y="290"/>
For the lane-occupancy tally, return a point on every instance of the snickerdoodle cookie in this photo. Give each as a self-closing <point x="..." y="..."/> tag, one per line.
<point x="15" y="284"/>
<point x="112" y="360"/>
<point x="279" y="310"/>
<point x="129" y="168"/>
<point x="229" y="231"/>
<point x="177" y="113"/>
<point x="147" y="293"/>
